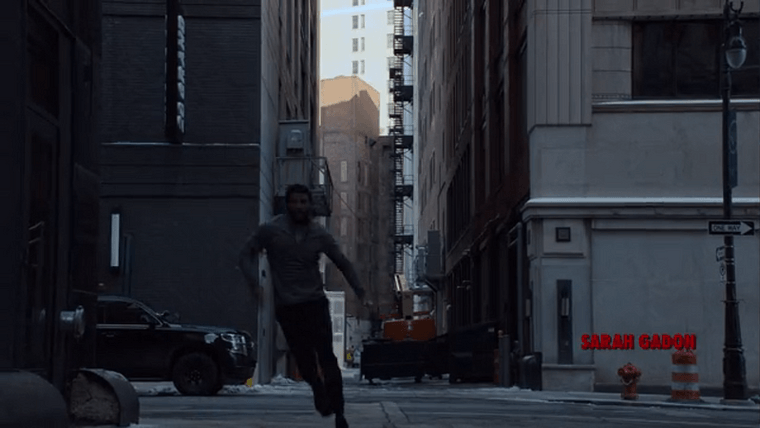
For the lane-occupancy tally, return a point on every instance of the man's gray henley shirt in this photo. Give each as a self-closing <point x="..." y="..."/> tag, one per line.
<point x="293" y="253"/>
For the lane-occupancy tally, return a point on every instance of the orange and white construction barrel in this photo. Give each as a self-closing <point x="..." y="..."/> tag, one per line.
<point x="685" y="379"/>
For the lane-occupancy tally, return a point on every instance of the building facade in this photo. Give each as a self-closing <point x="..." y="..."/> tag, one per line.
<point x="611" y="165"/>
<point x="186" y="185"/>
<point x="50" y="204"/>
<point x="350" y="142"/>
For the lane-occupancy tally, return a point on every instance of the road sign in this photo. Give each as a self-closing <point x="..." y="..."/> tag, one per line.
<point x="720" y="254"/>
<point x="722" y="271"/>
<point x="731" y="227"/>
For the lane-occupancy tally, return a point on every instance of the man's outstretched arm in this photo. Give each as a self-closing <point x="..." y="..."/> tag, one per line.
<point x="332" y="250"/>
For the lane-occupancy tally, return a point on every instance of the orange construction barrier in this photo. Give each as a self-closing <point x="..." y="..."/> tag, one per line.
<point x="685" y="380"/>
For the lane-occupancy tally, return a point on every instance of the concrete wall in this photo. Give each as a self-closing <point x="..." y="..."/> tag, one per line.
<point x="270" y="115"/>
<point x="638" y="270"/>
<point x="643" y="154"/>
<point x="288" y="78"/>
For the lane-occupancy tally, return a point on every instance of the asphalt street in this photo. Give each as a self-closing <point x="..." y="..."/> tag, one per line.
<point x="405" y="412"/>
<point x="409" y="405"/>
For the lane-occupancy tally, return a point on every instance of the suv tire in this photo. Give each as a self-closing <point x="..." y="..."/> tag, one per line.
<point x="196" y="373"/>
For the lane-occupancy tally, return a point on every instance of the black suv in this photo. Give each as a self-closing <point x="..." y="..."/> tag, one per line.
<point x="139" y="343"/>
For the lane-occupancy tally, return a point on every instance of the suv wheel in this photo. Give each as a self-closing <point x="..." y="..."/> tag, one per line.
<point x="196" y="374"/>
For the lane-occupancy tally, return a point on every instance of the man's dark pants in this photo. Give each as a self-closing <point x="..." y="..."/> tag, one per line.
<point x="308" y="330"/>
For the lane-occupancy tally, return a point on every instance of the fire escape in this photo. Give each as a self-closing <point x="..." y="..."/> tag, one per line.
<point x="402" y="93"/>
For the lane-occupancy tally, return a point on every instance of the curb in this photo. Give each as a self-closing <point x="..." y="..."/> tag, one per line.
<point x="394" y="415"/>
<point x="750" y="407"/>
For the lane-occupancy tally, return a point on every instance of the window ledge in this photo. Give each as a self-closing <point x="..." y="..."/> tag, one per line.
<point x="651" y="106"/>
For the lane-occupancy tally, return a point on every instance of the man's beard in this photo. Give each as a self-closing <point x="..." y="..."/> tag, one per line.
<point x="299" y="217"/>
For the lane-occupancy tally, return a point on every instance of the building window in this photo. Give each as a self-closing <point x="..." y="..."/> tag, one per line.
<point x="391" y="61"/>
<point x="362" y="44"/>
<point x="390" y="41"/>
<point x="356" y="2"/>
<point x="391" y="16"/>
<point x="681" y="59"/>
<point x="344" y="201"/>
<point x="355" y="21"/>
<point x="355" y="43"/>
<point x="359" y="171"/>
<point x="355" y="67"/>
<point x="343" y="226"/>
<point x="344" y="170"/>
<point x="362" y="20"/>
<point x="363" y="2"/>
<point x="362" y="66"/>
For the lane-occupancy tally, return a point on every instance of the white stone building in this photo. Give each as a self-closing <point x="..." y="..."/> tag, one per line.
<point x="624" y="136"/>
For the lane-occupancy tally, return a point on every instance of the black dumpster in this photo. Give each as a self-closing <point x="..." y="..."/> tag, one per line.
<point x="437" y="356"/>
<point x="472" y="351"/>
<point x="386" y="359"/>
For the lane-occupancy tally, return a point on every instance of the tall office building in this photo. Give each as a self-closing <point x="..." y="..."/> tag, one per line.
<point x="357" y="39"/>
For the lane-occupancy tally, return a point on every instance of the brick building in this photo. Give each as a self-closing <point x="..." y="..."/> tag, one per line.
<point x="572" y="173"/>
<point x="186" y="185"/>
<point x="472" y="165"/>
<point x="349" y="140"/>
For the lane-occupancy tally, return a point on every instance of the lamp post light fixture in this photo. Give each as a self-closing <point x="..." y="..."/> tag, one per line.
<point x="734" y="50"/>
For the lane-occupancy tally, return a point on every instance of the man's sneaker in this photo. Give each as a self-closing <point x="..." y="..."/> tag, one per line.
<point x="340" y="421"/>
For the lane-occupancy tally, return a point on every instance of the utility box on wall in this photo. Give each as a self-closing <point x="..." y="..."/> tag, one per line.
<point x="295" y="139"/>
<point x="296" y="164"/>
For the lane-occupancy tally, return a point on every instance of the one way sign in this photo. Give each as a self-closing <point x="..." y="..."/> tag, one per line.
<point x="732" y="227"/>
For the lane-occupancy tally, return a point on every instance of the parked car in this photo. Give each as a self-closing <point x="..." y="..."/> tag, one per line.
<point x="141" y="344"/>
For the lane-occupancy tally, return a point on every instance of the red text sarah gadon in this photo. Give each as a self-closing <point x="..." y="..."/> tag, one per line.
<point x="645" y="341"/>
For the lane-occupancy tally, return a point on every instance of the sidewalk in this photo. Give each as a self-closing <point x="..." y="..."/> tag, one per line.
<point x="280" y="386"/>
<point x="644" y="400"/>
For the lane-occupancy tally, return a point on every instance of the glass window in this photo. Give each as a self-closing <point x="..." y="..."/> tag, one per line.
<point x="344" y="170"/>
<point x="391" y="16"/>
<point x="126" y="313"/>
<point x="682" y="59"/>
<point x="355" y="44"/>
<point x="390" y="41"/>
<point x="355" y="21"/>
<point x="362" y="20"/>
<point x="356" y="2"/>
<point x="362" y="66"/>
<point x="362" y="44"/>
<point x="355" y="67"/>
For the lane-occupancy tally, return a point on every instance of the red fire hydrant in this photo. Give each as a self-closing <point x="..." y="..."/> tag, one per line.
<point x="629" y="375"/>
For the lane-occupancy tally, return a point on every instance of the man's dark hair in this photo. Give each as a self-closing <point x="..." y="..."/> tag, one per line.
<point x="297" y="188"/>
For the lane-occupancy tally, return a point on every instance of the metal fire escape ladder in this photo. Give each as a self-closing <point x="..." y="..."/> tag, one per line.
<point x="402" y="95"/>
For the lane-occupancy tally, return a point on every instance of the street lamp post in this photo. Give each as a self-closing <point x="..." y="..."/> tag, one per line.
<point x="734" y="52"/>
